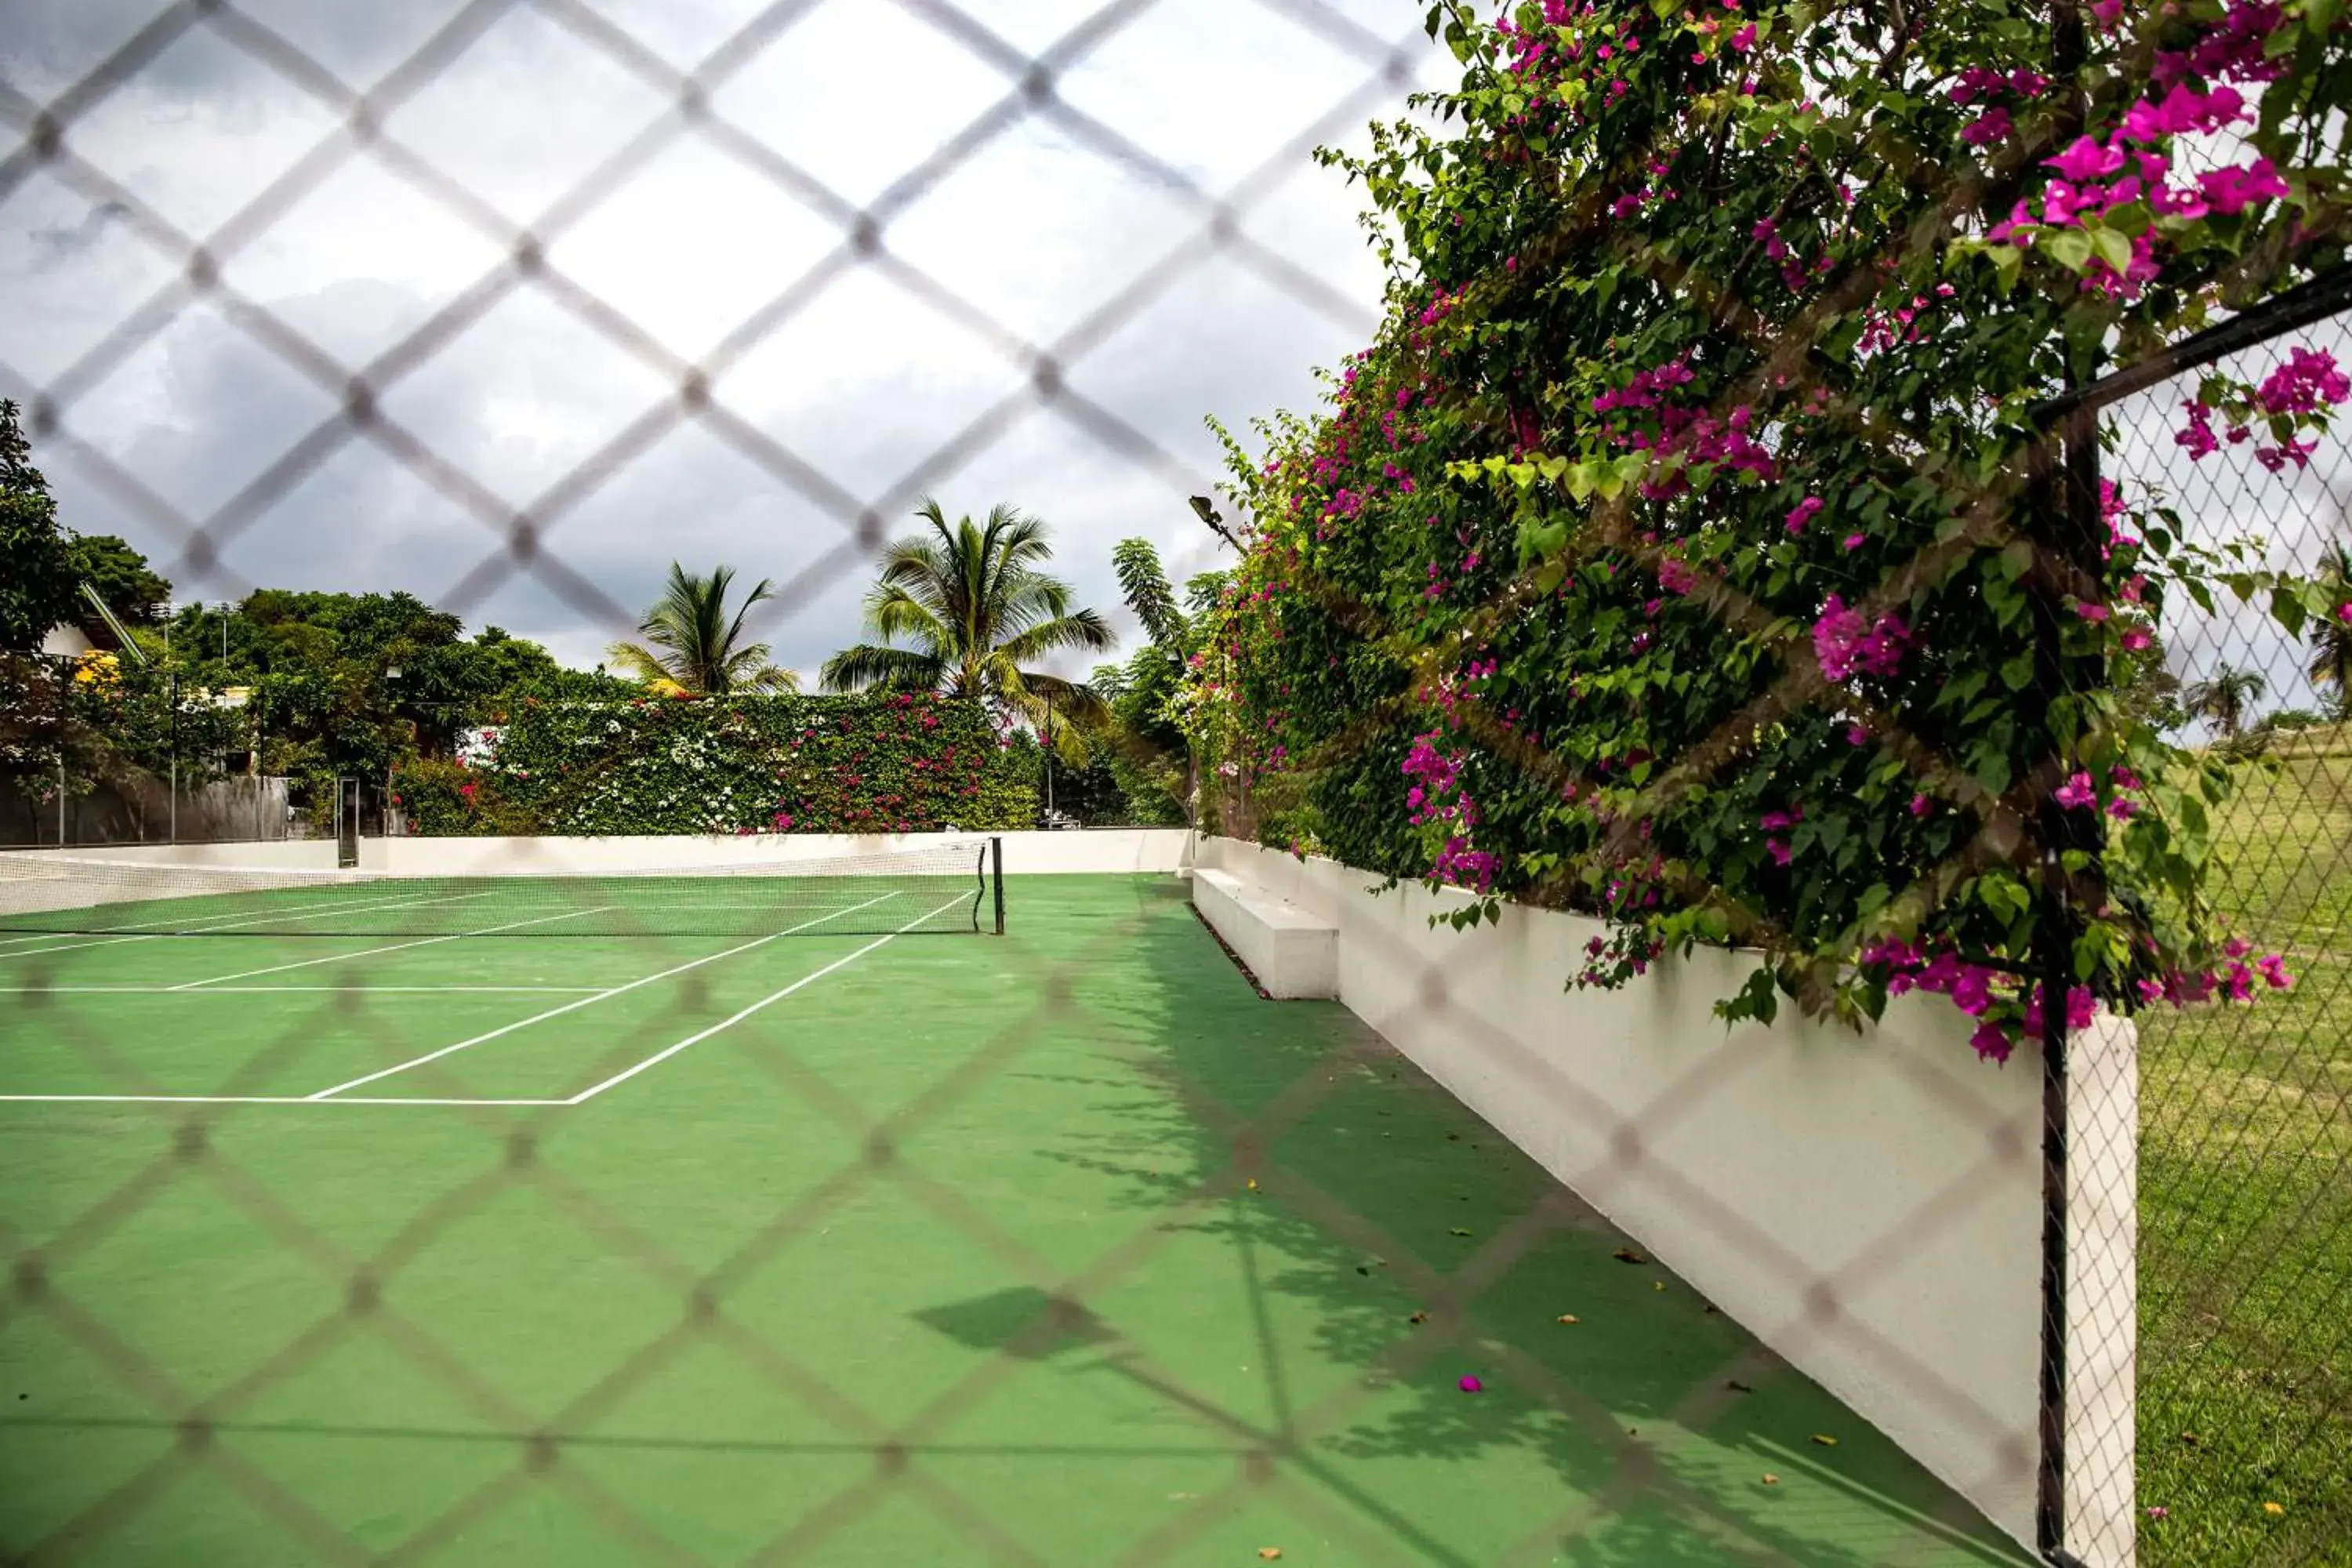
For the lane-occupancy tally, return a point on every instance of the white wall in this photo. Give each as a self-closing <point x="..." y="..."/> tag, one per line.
<point x="1093" y="850"/>
<point x="1868" y="1206"/>
<point x="297" y="853"/>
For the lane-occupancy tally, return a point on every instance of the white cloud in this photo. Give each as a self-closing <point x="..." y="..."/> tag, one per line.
<point x="1036" y="230"/>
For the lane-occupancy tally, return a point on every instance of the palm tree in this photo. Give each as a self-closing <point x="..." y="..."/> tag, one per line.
<point x="977" y="610"/>
<point x="2331" y="635"/>
<point x="2225" y="698"/>
<point x="693" y="646"/>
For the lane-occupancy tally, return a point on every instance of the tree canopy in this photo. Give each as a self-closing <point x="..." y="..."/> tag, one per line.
<point x="978" y="612"/>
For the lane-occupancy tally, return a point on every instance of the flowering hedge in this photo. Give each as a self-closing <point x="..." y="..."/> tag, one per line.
<point x="736" y="764"/>
<point x="1686" y="549"/>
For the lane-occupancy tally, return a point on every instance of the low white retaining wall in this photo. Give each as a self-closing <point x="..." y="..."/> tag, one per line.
<point x="1868" y="1206"/>
<point x="1294" y="954"/>
<point x="1092" y="850"/>
<point x="294" y="854"/>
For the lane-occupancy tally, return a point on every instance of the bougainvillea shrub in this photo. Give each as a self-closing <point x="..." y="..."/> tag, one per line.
<point x="899" y="763"/>
<point x="1690" y="547"/>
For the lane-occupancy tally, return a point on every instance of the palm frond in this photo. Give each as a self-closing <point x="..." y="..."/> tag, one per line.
<point x="867" y="666"/>
<point x="1144" y="585"/>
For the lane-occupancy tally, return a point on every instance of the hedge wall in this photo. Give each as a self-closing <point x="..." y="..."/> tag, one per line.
<point x="913" y="762"/>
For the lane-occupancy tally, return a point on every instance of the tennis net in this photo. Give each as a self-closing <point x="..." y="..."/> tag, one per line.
<point x="945" y="887"/>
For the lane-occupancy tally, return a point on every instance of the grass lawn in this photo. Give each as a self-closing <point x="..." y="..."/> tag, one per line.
<point x="1061" y="1248"/>
<point x="2245" y="1354"/>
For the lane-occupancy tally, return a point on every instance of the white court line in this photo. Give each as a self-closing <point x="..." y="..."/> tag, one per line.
<point x="224" y="924"/>
<point x="26" y="938"/>
<point x="590" y="1001"/>
<point x="210" y="990"/>
<point x="395" y="947"/>
<point x="240" y="1100"/>
<point x="298" y="911"/>
<point x="664" y="1055"/>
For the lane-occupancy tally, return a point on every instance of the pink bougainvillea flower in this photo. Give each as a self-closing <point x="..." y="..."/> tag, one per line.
<point x="1993" y="125"/>
<point x="2087" y="160"/>
<point x="1744" y="40"/>
<point x="2093" y="612"/>
<point x="2344" y="614"/>
<point x="1857" y="735"/>
<point x="1855" y="540"/>
<point x="1470" y="1384"/>
<point x="2275" y="974"/>
<point x="1992" y="1043"/>
<point x="1802" y="513"/>
<point x="2122" y="810"/>
<point x="2137" y="639"/>
<point x="1778" y="850"/>
<point x="1921" y="805"/>
<point x="2232" y="191"/>
<point x="2076" y="791"/>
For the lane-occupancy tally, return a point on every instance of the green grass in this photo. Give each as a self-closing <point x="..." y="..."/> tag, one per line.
<point x="2245" y="1354"/>
<point x="949" y="1257"/>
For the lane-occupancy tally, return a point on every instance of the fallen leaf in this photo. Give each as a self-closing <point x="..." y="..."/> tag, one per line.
<point x="1824" y="1442"/>
<point x="1660" y="1285"/>
<point x="1253" y="1184"/>
<point x="1417" y="1318"/>
<point x="1269" y="1552"/>
<point x="1568" y="1317"/>
<point x="1183" y="1497"/>
<point x="1739" y="1387"/>
<point x="2274" y="1508"/>
<point x="1712" y="1309"/>
<point x="1627" y="1255"/>
<point x="1459" y="1231"/>
<point x="1363" y="1269"/>
<point x="1771" y="1479"/>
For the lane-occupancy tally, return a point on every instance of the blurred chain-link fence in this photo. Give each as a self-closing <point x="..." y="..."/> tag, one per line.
<point x="2242" y="1254"/>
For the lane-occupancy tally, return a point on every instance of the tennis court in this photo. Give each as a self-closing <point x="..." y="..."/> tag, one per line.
<point x="868" y="1237"/>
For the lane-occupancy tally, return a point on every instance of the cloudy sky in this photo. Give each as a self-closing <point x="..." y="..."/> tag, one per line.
<point x="693" y="173"/>
<point x="1081" y="225"/>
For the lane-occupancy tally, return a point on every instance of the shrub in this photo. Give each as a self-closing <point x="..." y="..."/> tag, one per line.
<point x="573" y="764"/>
<point x="1681" y="550"/>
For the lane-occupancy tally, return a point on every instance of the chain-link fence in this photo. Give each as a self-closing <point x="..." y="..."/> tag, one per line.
<point x="2245" y="1221"/>
<point x="561" y="1333"/>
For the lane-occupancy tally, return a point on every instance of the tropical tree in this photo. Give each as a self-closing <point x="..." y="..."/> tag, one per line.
<point x="976" y="611"/>
<point x="1147" y="701"/>
<point x="2331" y="635"/>
<point x="2224" y="698"/>
<point x="692" y="646"/>
<point x="37" y="590"/>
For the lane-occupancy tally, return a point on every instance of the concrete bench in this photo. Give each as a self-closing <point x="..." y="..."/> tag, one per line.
<point x="1292" y="952"/>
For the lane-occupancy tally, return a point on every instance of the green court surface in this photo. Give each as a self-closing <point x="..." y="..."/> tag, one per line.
<point x="841" y="1249"/>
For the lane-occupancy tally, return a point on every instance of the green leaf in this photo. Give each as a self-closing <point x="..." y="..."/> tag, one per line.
<point x="2288" y="609"/>
<point x="2131" y="219"/>
<point x="2007" y="261"/>
<point x="2115" y="249"/>
<point x="2070" y="247"/>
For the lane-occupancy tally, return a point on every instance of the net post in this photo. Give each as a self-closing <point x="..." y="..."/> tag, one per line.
<point x="996" y="868"/>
